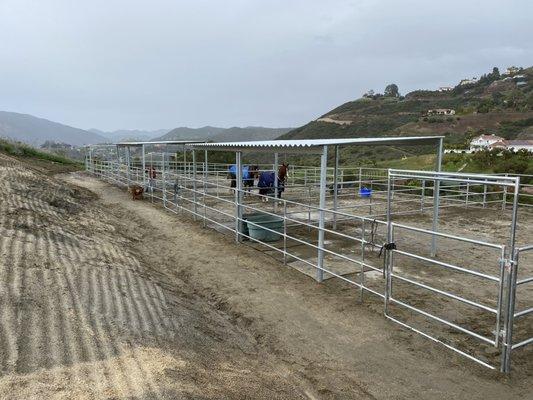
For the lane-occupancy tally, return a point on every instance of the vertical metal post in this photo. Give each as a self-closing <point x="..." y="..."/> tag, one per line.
<point x="423" y="195"/>
<point x="387" y="256"/>
<point x="194" y="186"/>
<point x="309" y="209"/>
<point x="511" y="285"/>
<point x="335" y="186"/>
<point x="322" y="213"/>
<point x="143" y="165"/>
<point x="118" y="164"/>
<point x="436" y="199"/>
<point x="164" y="179"/>
<point x="285" y="233"/>
<point x="362" y="277"/>
<point x="360" y="176"/>
<point x="184" y="170"/>
<point x="276" y="181"/>
<point x="467" y="193"/>
<point x="128" y="164"/>
<point x="91" y="159"/>
<point x="238" y="196"/>
<point x="206" y="175"/>
<point x="504" y="202"/>
<point x="485" y="194"/>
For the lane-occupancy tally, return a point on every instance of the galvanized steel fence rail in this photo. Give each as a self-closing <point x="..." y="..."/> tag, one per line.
<point x="202" y="191"/>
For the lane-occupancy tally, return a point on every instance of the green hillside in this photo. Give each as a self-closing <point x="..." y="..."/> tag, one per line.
<point x="499" y="104"/>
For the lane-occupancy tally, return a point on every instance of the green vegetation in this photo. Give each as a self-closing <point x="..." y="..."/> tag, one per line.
<point x="493" y="161"/>
<point x="23" y="150"/>
<point x="501" y="105"/>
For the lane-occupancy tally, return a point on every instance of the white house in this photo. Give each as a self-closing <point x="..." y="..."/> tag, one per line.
<point x="441" y="111"/>
<point x="484" y="141"/>
<point x="496" y="142"/>
<point x="445" y="89"/>
<point x="512" y="70"/>
<point x="468" y="81"/>
<point x="516" y="145"/>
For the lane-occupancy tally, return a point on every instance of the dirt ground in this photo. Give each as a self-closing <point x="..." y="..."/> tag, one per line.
<point x="102" y="297"/>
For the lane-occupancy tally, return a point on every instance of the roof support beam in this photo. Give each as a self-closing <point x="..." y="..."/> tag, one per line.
<point x="238" y="196"/>
<point x="322" y="213"/>
<point x="436" y="198"/>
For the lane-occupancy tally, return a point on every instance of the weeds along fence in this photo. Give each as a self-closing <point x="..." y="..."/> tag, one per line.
<point x="464" y="292"/>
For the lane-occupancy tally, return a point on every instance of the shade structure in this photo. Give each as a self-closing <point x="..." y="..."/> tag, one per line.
<point x="315" y="145"/>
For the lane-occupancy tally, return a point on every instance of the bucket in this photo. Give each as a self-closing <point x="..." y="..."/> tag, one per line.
<point x="365" y="192"/>
<point x="264" y="221"/>
<point x="246" y="217"/>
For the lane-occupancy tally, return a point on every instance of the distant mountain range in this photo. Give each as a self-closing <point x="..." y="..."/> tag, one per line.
<point x="130" y="134"/>
<point x="215" y="134"/>
<point x="36" y="131"/>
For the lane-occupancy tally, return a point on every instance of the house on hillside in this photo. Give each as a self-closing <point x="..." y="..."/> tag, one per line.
<point x="513" y="70"/>
<point x="517" y="145"/>
<point x="484" y="141"/>
<point x="468" y="81"/>
<point x="445" y="89"/>
<point x="441" y="111"/>
<point x="491" y="142"/>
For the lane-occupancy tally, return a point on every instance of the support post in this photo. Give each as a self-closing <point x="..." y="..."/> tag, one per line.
<point x="143" y="165"/>
<point x="504" y="199"/>
<point x="91" y="159"/>
<point x="194" y="186"/>
<point x="128" y="154"/>
<point x="206" y="175"/>
<point x="284" y="233"/>
<point x="118" y="164"/>
<point x="387" y="265"/>
<point x="276" y="183"/>
<point x="184" y="160"/>
<point x="322" y="213"/>
<point x="164" y="180"/>
<point x="436" y="199"/>
<point x="335" y="186"/>
<point x="485" y="194"/>
<point x="238" y="196"/>
<point x="423" y="195"/>
<point x="512" y="274"/>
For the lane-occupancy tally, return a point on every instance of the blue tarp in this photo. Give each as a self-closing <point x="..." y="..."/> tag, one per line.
<point x="266" y="179"/>
<point x="245" y="171"/>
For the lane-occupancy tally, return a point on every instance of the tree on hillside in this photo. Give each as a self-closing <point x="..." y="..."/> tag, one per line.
<point x="495" y="73"/>
<point x="391" y="91"/>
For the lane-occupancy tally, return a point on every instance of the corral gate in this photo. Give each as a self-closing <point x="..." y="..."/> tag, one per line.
<point x="499" y="273"/>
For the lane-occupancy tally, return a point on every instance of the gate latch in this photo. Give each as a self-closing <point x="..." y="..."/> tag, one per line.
<point x="387" y="246"/>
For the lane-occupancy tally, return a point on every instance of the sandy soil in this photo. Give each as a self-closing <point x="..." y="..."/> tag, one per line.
<point x="105" y="298"/>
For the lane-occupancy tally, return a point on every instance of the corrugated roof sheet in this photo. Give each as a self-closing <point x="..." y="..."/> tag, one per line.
<point x="160" y="142"/>
<point x="310" y="143"/>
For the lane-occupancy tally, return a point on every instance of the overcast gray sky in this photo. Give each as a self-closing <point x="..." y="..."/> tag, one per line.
<point x="114" y="64"/>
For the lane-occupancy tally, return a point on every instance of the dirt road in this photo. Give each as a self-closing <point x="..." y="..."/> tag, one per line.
<point x="106" y="298"/>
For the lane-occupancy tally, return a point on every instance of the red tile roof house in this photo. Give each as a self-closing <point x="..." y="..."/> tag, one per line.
<point x="484" y="141"/>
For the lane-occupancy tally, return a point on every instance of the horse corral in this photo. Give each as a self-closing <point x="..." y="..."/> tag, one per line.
<point x="447" y="254"/>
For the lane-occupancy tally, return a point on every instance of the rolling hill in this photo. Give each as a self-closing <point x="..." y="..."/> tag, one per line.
<point x="496" y="104"/>
<point x="35" y="131"/>
<point x="215" y="134"/>
<point x="130" y="134"/>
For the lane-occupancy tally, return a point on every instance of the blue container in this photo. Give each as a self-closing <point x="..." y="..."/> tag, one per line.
<point x="365" y="192"/>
